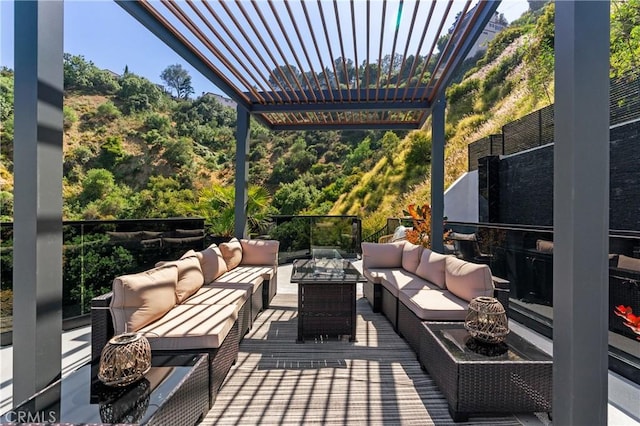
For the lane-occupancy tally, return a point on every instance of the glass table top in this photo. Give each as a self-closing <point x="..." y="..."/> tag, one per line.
<point x="457" y="341"/>
<point x="325" y="270"/>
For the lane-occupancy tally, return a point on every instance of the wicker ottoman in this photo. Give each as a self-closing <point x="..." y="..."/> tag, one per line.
<point x="519" y="380"/>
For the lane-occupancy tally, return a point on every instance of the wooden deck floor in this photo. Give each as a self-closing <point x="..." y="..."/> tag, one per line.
<point x="374" y="381"/>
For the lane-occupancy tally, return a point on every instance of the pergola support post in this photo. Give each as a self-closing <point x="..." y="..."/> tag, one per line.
<point x="437" y="174"/>
<point x="242" y="171"/>
<point x="581" y="213"/>
<point x="37" y="239"/>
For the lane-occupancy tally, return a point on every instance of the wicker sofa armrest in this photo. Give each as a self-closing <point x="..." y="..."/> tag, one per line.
<point x="101" y="324"/>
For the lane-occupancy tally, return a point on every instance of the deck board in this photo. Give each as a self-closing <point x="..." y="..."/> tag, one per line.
<point x="376" y="380"/>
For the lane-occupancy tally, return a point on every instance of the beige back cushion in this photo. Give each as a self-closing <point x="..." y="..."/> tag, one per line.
<point x="231" y="253"/>
<point x="259" y="252"/>
<point x="386" y="255"/>
<point x="140" y="299"/>
<point x="431" y="267"/>
<point x="544" y="246"/>
<point x="190" y="277"/>
<point x="211" y="262"/>
<point x="411" y="257"/>
<point x="467" y="280"/>
<point x="626" y="262"/>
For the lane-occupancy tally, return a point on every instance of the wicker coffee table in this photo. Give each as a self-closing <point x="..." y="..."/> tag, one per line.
<point x="174" y="391"/>
<point x="326" y="300"/>
<point x="519" y="380"/>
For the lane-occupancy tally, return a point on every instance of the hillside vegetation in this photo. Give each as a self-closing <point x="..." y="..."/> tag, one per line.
<point x="495" y="90"/>
<point x="131" y="150"/>
<point x="512" y="79"/>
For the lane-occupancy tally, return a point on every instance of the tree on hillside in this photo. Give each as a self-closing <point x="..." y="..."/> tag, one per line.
<point x="178" y="79"/>
<point x="137" y="94"/>
<point x="625" y="37"/>
<point x="84" y="76"/>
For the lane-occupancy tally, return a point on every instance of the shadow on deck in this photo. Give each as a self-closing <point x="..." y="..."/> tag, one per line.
<point x="376" y="380"/>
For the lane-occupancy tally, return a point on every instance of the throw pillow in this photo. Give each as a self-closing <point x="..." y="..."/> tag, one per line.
<point x="140" y="299"/>
<point x="231" y="253"/>
<point x="431" y="268"/>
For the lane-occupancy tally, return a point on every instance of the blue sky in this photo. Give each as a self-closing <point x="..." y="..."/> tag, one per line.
<point x="105" y="34"/>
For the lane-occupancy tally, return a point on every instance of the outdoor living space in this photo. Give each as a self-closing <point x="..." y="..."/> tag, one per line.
<point x="376" y="380"/>
<point x="554" y="227"/>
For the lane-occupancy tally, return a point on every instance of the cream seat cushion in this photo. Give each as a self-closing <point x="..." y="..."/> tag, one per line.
<point x="211" y="262"/>
<point x="397" y="279"/>
<point x="375" y="275"/>
<point x="225" y="295"/>
<point x="253" y="275"/>
<point x="434" y="304"/>
<point x="139" y="299"/>
<point x="191" y="327"/>
<point x="431" y="267"/>
<point x="231" y="253"/>
<point x="259" y="252"/>
<point x="190" y="277"/>
<point x="468" y="280"/>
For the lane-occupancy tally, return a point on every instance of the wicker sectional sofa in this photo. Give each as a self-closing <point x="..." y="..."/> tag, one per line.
<point x="410" y="284"/>
<point x="204" y="302"/>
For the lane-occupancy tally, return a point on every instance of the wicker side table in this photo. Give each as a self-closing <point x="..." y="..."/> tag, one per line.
<point x="519" y="380"/>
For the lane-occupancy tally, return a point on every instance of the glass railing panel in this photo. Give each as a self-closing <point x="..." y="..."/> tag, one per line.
<point x="299" y="234"/>
<point x="95" y="252"/>
<point x="337" y="232"/>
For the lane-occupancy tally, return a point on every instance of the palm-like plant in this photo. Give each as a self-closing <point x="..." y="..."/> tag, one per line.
<point x="216" y="204"/>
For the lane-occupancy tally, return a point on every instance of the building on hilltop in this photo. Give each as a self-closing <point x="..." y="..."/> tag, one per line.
<point x="229" y="103"/>
<point x="494" y="26"/>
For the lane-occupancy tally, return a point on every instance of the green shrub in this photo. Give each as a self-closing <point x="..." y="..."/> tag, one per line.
<point x="111" y="151"/>
<point x="107" y="111"/>
<point x="419" y="149"/>
<point x="471" y="122"/>
<point x="6" y="205"/>
<point x="138" y="94"/>
<point x="456" y="92"/>
<point x="69" y="117"/>
<point x="97" y="184"/>
<point x="155" y="121"/>
<point x="179" y="153"/>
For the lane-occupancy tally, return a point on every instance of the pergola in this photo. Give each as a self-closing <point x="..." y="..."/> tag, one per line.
<point x="305" y="65"/>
